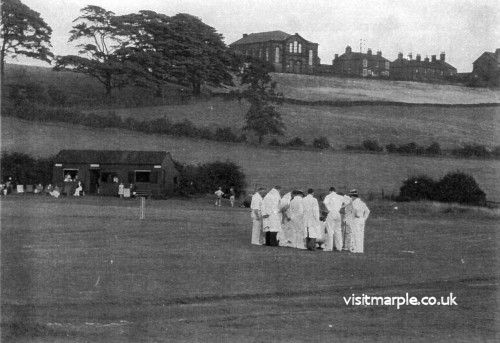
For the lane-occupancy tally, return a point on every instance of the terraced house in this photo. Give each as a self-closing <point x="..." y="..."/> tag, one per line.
<point x="286" y="52"/>
<point x="422" y="70"/>
<point x="361" y="64"/>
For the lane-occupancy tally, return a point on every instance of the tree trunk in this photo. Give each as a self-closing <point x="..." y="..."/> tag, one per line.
<point x="196" y="88"/>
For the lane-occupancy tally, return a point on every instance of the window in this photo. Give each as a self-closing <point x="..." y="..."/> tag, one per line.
<point x="260" y="53"/>
<point x="365" y="72"/>
<point x="277" y="55"/>
<point x="310" y="57"/>
<point x="291" y="47"/>
<point x="365" y="63"/>
<point x="142" y="176"/>
<point x="300" y="48"/>
<point x="295" y="48"/>
<point x="387" y="65"/>
<point x="72" y="173"/>
<point x="267" y="54"/>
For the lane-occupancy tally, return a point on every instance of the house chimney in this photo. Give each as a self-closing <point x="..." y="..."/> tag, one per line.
<point x="336" y="56"/>
<point x="419" y="58"/>
<point x="410" y="56"/>
<point x="433" y="58"/>
<point x="442" y="56"/>
<point x="379" y="53"/>
<point x="426" y="59"/>
<point x="245" y="35"/>
<point x="369" y="52"/>
<point x="348" y="49"/>
<point x="400" y="56"/>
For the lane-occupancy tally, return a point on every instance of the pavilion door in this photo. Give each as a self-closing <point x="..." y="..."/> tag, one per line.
<point x="95" y="175"/>
<point x="297" y="67"/>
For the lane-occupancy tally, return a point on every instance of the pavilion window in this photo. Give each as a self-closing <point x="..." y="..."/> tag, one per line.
<point x="300" y="48"/>
<point x="310" y="57"/>
<point x="109" y="177"/>
<point x="143" y="176"/>
<point x="73" y="173"/>
<point x="267" y="54"/>
<point x="277" y="55"/>
<point x="291" y="47"/>
<point x="295" y="48"/>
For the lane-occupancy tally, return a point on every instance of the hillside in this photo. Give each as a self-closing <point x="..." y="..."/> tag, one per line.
<point x="449" y="126"/>
<point x="290" y="168"/>
<point x="320" y="88"/>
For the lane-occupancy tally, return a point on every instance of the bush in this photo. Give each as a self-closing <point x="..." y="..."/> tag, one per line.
<point x="391" y="148"/>
<point x="418" y="188"/>
<point x="274" y="142"/>
<point x="296" y="142"/>
<point x="433" y="149"/>
<point x="371" y="145"/>
<point x="24" y="169"/>
<point x="208" y="177"/>
<point x="321" y="143"/>
<point x="472" y="150"/>
<point x="225" y="135"/>
<point x="461" y="188"/>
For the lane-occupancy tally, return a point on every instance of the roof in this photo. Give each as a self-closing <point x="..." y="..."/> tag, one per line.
<point x="360" y="55"/>
<point x="262" y="37"/>
<point x="111" y="156"/>
<point x="423" y="63"/>
<point x="491" y="55"/>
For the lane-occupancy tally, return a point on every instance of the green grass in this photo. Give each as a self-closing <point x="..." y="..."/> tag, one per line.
<point x="88" y="270"/>
<point x="267" y="167"/>
<point x="450" y="127"/>
<point x="319" y="88"/>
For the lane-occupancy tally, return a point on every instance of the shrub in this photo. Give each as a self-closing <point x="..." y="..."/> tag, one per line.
<point x="206" y="178"/>
<point x="274" y="142"/>
<point x="461" y="188"/>
<point x="296" y="142"/>
<point x="321" y="143"/>
<point x="371" y="145"/>
<point x="225" y="135"/>
<point x="472" y="150"/>
<point x="418" y="188"/>
<point x="409" y="148"/>
<point x="496" y="151"/>
<point x="25" y="169"/>
<point x="391" y="148"/>
<point x="433" y="149"/>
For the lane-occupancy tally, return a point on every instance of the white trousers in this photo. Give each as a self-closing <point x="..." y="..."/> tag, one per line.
<point x="258" y="237"/>
<point x="334" y="236"/>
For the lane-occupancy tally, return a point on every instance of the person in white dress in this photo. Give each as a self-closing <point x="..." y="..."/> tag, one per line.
<point x="296" y="224"/>
<point x="271" y="215"/>
<point x="218" y="193"/>
<point x="311" y="217"/>
<point x="78" y="189"/>
<point x="334" y="203"/>
<point x="360" y="213"/>
<point x="256" y="214"/>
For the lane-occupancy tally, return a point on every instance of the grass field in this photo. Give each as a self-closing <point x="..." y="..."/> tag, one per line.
<point x="290" y="168"/>
<point x="449" y="126"/>
<point x="80" y="270"/>
<point x="316" y="88"/>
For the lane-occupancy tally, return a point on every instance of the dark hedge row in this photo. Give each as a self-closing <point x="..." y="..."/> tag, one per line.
<point x="185" y="128"/>
<point x="456" y="187"/>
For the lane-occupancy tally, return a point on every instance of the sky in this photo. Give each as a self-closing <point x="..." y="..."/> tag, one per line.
<point x="463" y="29"/>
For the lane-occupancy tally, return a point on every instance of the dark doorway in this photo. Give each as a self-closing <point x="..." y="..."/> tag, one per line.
<point x="95" y="175"/>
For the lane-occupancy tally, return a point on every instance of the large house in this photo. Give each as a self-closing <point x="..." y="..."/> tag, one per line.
<point x="361" y="64"/>
<point x="422" y="70"/>
<point x="286" y="52"/>
<point x="487" y="67"/>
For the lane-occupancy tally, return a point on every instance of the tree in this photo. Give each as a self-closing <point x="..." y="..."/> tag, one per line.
<point x="262" y="117"/>
<point x="23" y="32"/>
<point x="99" y="57"/>
<point x="180" y="48"/>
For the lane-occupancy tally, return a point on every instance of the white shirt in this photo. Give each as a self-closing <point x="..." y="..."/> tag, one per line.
<point x="285" y="201"/>
<point x="360" y="209"/>
<point x="311" y="211"/>
<point x="256" y="204"/>
<point x="333" y="203"/>
<point x="271" y="202"/>
<point x="219" y="193"/>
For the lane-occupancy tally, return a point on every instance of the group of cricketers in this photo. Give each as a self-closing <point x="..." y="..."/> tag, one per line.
<point x="295" y="220"/>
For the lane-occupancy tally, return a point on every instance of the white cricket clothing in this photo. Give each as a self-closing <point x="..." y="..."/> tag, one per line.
<point x="256" y="206"/>
<point x="311" y="216"/>
<point x="360" y="213"/>
<point x="271" y="211"/>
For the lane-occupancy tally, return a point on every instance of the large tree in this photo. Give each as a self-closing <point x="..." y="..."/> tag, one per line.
<point x="180" y="48"/>
<point x="96" y="29"/>
<point x="260" y="91"/>
<point x="23" y="32"/>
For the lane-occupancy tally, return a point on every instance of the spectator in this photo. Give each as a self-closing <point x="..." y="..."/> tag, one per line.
<point x="78" y="190"/>
<point x="120" y="189"/>
<point x="48" y="189"/>
<point x="56" y="192"/>
<point x="38" y="189"/>
<point x="232" y="196"/>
